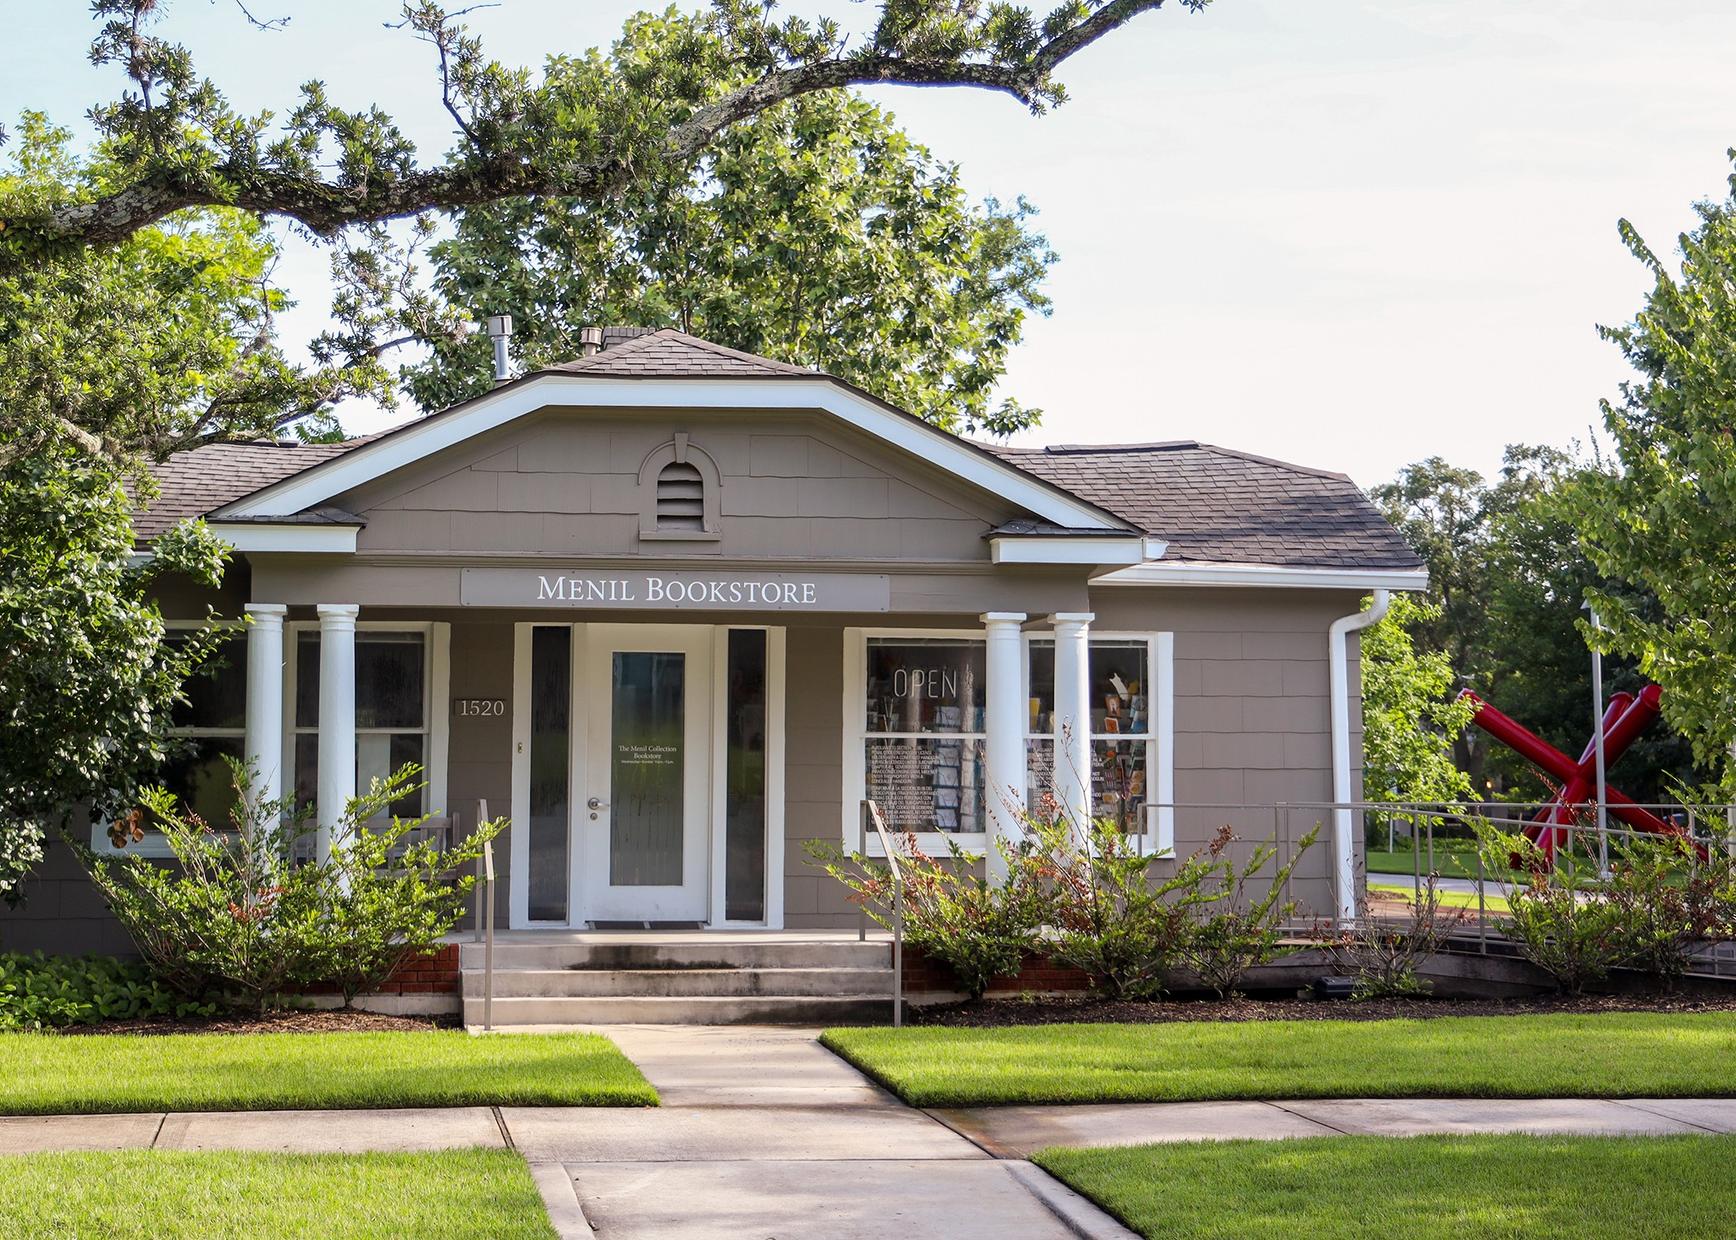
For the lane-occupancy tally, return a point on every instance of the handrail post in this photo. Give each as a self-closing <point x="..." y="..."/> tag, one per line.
<point x="488" y="923"/>
<point x="871" y="814"/>
<point x="488" y="943"/>
<point x="862" y="851"/>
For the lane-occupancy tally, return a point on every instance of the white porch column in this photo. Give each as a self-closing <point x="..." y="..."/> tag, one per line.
<point x="337" y="719"/>
<point x="264" y="746"/>
<point x="1004" y="722"/>
<point x="1073" y="713"/>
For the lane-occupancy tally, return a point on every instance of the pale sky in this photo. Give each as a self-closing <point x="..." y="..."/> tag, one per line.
<point x="1348" y="233"/>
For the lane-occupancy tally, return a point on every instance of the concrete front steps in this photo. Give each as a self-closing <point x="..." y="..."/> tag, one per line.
<point x="687" y="980"/>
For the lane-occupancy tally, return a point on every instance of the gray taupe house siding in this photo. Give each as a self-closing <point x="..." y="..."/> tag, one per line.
<point x="721" y="595"/>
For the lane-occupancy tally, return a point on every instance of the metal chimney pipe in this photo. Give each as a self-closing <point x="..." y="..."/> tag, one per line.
<point x="500" y="331"/>
<point x="590" y="341"/>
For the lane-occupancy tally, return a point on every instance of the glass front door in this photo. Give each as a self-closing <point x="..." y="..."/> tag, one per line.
<point x="643" y="802"/>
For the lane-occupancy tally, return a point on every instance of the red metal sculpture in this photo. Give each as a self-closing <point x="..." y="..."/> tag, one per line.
<point x="1626" y="717"/>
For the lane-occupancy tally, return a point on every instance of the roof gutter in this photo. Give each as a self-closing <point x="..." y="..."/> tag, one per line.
<point x="1338" y="664"/>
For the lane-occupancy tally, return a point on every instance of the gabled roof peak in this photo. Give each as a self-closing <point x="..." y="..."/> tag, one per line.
<point x="665" y="353"/>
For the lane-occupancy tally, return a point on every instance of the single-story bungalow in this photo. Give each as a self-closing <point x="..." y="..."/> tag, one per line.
<point x="676" y="609"/>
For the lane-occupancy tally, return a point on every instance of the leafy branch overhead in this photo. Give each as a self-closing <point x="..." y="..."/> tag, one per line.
<point x="670" y="86"/>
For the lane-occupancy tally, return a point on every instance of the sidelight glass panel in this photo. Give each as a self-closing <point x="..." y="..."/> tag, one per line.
<point x="744" y="884"/>
<point x="646" y="784"/>
<point x="551" y="689"/>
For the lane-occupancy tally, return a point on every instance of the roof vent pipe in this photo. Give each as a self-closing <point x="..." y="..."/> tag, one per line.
<point x="500" y="331"/>
<point x="590" y="341"/>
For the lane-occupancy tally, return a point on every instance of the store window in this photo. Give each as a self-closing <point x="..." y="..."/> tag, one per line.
<point x="211" y="728"/>
<point x="922" y="732"/>
<point x="1122" y="733"/>
<point x="392" y="713"/>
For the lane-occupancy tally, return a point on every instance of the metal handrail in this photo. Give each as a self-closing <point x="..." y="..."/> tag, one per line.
<point x="871" y="815"/>
<point x="485" y="917"/>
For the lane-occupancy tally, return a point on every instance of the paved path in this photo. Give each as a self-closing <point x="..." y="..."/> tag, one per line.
<point x="765" y="1135"/>
<point x="1017" y="1132"/>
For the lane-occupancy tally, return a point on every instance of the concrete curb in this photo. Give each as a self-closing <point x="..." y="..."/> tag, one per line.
<point x="561" y="1200"/>
<point x="1080" y="1216"/>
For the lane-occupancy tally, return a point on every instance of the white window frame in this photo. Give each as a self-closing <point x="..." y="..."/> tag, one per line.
<point x="436" y="681"/>
<point x="1157" y="838"/>
<point x="856" y="737"/>
<point x="154" y="845"/>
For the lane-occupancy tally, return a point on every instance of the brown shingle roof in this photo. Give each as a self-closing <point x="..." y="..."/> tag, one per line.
<point x="1211" y="504"/>
<point x="667" y="353"/>
<point x="202" y="479"/>
<point x="1219" y="505"/>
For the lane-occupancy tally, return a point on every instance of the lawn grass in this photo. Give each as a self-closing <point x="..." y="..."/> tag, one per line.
<point x="1375" y="1188"/>
<point x="1453" y="859"/>
<point x="1606" y="1055"/>
<point x="47" y="1074"/>
<point x="1493" y="901"/>
<point x="162" y="1194"/>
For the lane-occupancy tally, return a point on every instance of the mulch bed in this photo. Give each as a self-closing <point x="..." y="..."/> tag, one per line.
<point x="288" y="1021"/>
<point x="993" y="1013"/>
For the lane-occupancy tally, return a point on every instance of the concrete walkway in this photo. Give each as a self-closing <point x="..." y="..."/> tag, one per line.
<point x="765" y="1135"/>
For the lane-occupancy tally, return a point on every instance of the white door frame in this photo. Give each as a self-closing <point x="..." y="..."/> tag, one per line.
<point x="518" y="896"/>
<point x="690" y="899"/>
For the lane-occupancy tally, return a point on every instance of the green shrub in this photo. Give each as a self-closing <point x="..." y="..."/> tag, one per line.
<point x="1383" y="956"/>
<point x="1238" y="932"/>
<point x="1557" y="913"/>
<point x="977" y="930"/>
<point x="239" y="917"/>
<point x="1667" y="900"/>
<point x="45" y="992"/>
<point x="1112" y="922"/>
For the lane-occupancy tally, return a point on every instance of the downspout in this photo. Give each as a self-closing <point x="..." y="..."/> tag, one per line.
<point x="1343" y="818"/>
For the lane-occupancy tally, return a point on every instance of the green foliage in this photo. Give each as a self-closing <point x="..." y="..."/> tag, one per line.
<point x="671" y="85"/>
<point x="1088" y="899"/>
<point x="45" y="992"/>
<point x="1410" y="718"/>
<point x="1384" y="956"/>
<point x="816" y="232"/>
<point x="1556" y="913"/>
<point x="1663" y="526"/>
<point x="1237" y="932"/>
<point x="238" y="916"/>
<point x="86" y="681"/>
<point x="454" y="1194"/>
<point x="1361" y="1187"/>
<point x="1507" y="580"/>
<point x="1112" y="920"/>
<point x="1552" y="1055"/>
<point x="978" y="930"/>
<point x="1667" y="901"/>
<point x="151" y="345"/>
<point x="123" y="1073"/>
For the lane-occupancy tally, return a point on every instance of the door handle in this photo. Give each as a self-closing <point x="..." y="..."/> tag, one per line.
<point x="596" y="803"/>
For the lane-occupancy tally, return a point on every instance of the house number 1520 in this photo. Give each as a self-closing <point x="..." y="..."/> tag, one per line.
<point x="478" y="706"/>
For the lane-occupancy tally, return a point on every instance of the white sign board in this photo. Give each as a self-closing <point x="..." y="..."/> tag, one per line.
<point x="675" y="590"/>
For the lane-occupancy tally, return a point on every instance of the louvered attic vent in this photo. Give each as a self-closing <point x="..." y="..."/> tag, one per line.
<point x="680" y="497"/>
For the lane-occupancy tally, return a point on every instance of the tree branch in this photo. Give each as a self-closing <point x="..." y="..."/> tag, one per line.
<point x="328" y="207"/>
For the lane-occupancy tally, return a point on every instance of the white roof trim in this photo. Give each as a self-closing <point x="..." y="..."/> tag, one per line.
<point x="1077" y="549"/>
<point x="1184" y="573"/>
<point x="255" y="536"/>
<point x="320" y="483"/>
